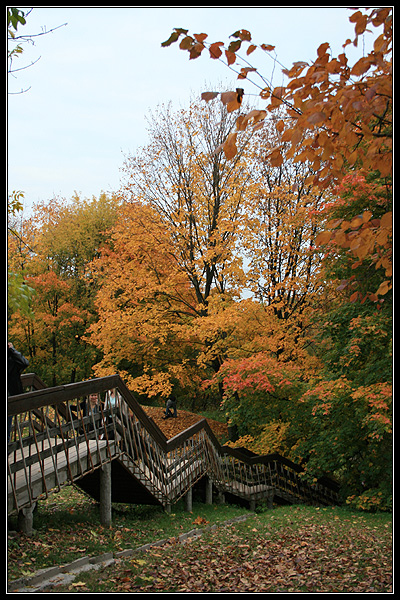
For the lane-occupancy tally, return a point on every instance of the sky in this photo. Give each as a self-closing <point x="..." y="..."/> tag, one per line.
<point x="100" y="75"/>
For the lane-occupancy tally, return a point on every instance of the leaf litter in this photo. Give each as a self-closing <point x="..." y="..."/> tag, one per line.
<point x="172" y="426"/>
<point x="298" y="550"/>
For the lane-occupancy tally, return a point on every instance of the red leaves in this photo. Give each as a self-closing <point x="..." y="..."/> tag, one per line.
<point x="322" y="49"/>
<point x="258" y="373"/>
<point x="325" y="96"/>
<point x="194" y="45"/>
<point x="245" y="71"/>
<point x="229" y="147"/>
<point x="232" y="100"/>
<point x="174" y="37"/>
<point x="360" y="20"/>
<point x="316" y="118"/>
<point x="243" y="35"/>
<point x="215" y="50"/>
<point x="207" y="96"/>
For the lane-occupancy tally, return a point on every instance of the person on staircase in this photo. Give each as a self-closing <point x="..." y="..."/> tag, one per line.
<point x="170" y="408"/>
<point x="16" y="363"/>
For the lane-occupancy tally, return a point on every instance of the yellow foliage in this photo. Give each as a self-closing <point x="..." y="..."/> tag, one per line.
<point x="271" y="439"/>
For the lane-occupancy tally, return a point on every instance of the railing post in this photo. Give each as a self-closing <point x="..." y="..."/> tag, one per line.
<point x="105" y="494"/>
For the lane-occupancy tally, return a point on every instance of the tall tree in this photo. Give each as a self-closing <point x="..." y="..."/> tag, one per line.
<point x="199" y="196"/>
<point x="344" y="111"/>
<point x="338" y="119"/>
<point x="171" y="279"/>
<point x="284" y="264"/>
<point x="174" y="248"/>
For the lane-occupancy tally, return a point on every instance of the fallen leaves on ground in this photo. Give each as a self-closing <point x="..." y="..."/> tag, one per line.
<point x="171" y="426"/>
<point x="200" y="521"/>
<point x="317" y="556"/>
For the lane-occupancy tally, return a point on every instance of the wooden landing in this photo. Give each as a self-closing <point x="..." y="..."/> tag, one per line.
<point x="44" y="473"/>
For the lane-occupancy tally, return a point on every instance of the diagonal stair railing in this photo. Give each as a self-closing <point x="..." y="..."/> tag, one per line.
<point x="61" y="434"/>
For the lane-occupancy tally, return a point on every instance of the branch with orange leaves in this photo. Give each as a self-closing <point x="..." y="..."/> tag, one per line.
<point x="344" y="111"/>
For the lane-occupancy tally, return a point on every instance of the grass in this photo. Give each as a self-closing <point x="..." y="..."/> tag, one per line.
<point x="66" y="527"/>
<point x="298" y="549"/>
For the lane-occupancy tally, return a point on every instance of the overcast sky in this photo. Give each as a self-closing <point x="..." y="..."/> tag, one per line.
<point x="99" y="76"/>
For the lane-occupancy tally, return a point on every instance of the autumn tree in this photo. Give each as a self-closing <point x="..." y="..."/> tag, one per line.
<point x="340" y="114"/>
<point x="191" y="238"/>
<point x="52" y="253"/>
<point x="284" y="263"/>
<point x="144" y="303"/>
<point x="199" y="196"/>
<point x="176" y="245"/>
<point x="338" y="119"/>
<point x="347" y="430"/>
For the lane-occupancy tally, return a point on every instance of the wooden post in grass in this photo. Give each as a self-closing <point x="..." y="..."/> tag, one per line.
<point x="105" y="495"/>
<point x="25" y="519"/>
<point x="209" y="490"/>
<point x="189" y="500"/>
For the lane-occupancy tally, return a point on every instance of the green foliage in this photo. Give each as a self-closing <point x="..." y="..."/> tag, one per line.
<point x="258" y="390"/>
<point x="356" y="342"/>
<point x="19" y="294"/>
<point x="346" y="432"/>
<point x="14" y="17"/>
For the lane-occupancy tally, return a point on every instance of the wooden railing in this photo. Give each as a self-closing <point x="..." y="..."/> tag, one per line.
<point x="60" y="436"/>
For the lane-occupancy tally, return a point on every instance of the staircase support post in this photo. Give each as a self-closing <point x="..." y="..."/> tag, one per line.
<point x="209" y="490"/>
<point x="25" y="519"/>
<point x="105" y="494"/>
<point x="189" y="500"/>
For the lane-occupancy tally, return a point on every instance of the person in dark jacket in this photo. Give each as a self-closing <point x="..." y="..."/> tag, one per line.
<point x="170" y="409"/>
<point x="16" y="363"/>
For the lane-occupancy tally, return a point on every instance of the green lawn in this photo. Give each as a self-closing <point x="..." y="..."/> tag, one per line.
<point x="66" y="527"/>
<point x="288" y="549"/>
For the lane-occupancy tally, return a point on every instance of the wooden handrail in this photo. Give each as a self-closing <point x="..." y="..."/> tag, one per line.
<point x="32" y="380"/>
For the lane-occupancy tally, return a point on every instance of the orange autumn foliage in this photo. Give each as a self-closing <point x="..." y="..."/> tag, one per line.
<point x="345" y="109"/>
<point x="143" y="302"/>
<point x="338" y="117"/>
<point x="196" y="235"/>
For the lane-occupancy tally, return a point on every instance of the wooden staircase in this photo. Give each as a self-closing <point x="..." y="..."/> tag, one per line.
<point x="57" y="439"/>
